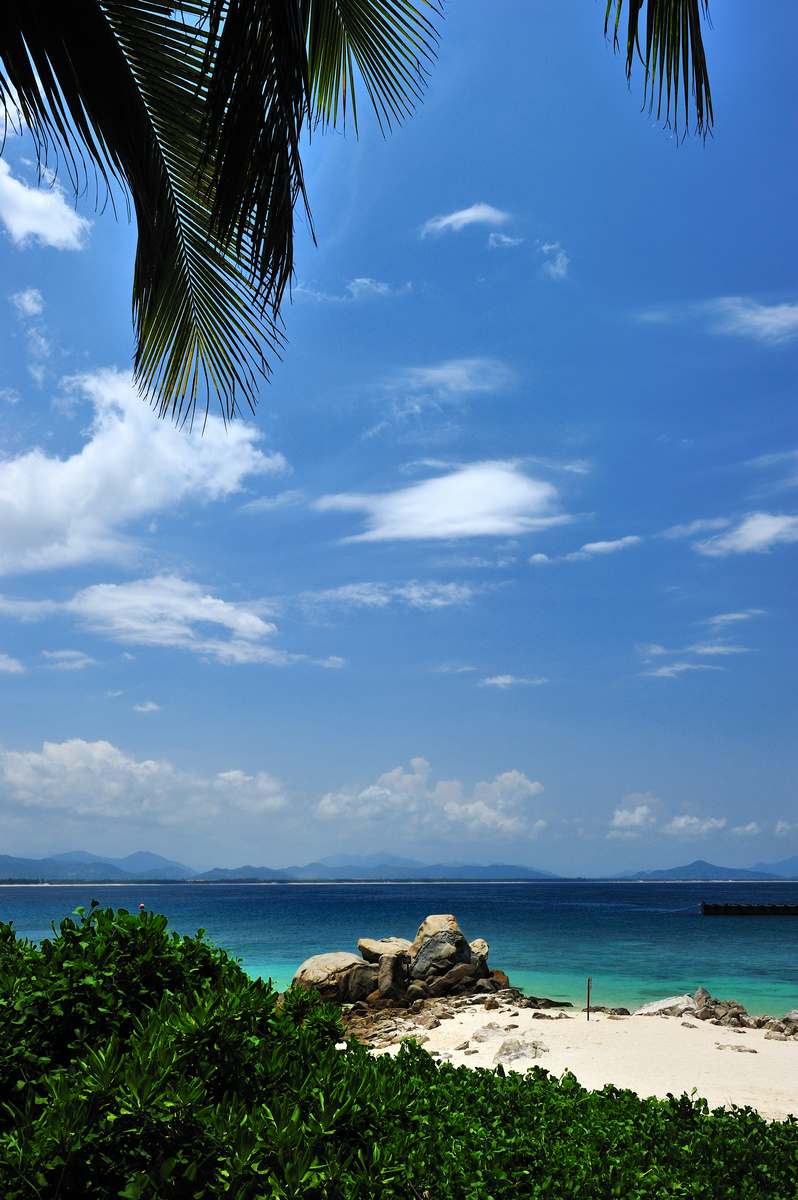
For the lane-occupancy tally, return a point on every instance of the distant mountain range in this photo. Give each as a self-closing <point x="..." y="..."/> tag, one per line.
<point x="79" y="866"/>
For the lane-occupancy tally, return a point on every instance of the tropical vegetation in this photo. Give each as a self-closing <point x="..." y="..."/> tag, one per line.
<point x="140" y="1064"/>
<point x="194" y="113"/>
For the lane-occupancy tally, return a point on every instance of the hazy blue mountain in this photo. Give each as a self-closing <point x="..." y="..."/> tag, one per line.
<point x="239" y="874"/>
<point x="143" y="864"/>
<point x="788" y="867"/>
<point x="368" y="860"/>
<point x="702" y="870"/>
<point x="54" y="870"/>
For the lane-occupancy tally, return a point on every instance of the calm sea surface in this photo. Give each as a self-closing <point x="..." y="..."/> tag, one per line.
<point x="638" y="941"/>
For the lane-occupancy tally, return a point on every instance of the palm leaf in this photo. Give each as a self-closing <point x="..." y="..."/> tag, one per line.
<point x="118" y="86"/>
<point x="674" y="60"/>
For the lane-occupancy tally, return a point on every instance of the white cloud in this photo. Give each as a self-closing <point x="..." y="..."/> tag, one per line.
<point x="167" y="611"/>
<point x="68" y="660"/>
<point x="147" y="706"/>
<point x="11" y="666"/>
<point x="631" y="822"/>
<point x="685" y="826"/>
<point x="783" y="827"/>
<point x="728" y="618"/>
<point x="39" y="214"/>
<point x="477" y="214"/>
<point x="595" y="549"/>
<point x="506" y="681"/>
<point x="58" y="512"/>
<point x="482" y="499"/>
<point x="701" y="526"/>
<point x="28" y="303"/>
<point x="502" y="240"/>
<point x="91" y="781"/>
<point x="673" y="670"/>
<point x="714" y="648"/>
<point x="749" y="830"/>
<point x="417" y="391"/>
<point x="770" y="323"/>
<point x="756" y="533"/>
<point x="736" y="316"/>
<point x="499" y="809"/>
<point x="380" y="595"/>
<point x="556" y="264"/>
<point x="356" y="289"/>
<point x="270" y="503"/>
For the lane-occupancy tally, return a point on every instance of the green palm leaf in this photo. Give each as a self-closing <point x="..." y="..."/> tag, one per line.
<point x="674" y="59"/>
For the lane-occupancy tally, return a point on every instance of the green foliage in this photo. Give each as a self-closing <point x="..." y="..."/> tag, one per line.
<point x="139" y="1064"/>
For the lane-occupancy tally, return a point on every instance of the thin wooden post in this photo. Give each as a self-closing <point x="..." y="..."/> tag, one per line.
<point x="589" y="981"/>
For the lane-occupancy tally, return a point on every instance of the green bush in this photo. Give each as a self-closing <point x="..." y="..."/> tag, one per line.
<point x="136" y="1063"/>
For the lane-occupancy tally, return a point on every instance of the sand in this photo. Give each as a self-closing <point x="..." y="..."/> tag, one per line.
<point x="652" y="1056"/>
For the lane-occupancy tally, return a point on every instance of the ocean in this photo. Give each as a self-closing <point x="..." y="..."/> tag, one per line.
<point x="637" y="941"/>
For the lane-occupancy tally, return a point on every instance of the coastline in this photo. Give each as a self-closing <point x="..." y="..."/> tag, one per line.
<point x="649" y="1055"/>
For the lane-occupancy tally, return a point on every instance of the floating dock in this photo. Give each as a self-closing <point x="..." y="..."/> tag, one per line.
<point x="748" y="910"/>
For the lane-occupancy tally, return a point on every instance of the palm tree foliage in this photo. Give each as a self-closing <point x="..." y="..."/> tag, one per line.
<point x="196" y="110"/>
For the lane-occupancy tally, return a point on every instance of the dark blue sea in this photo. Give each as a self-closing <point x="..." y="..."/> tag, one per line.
<point x="638" y="941"/>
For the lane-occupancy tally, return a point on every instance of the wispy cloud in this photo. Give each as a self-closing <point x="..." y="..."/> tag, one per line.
<point x="694" y="527"/>
<point x="735" y="316"/>
<point x="508" y="681"/>
<point x="363" y="288"/>
<point x="556" y="260"/>
<point x="686" y="826"/>
<point x="749" y="830"/>
<point x="756" y="534"/>
<point x="502" y="241"/>
<point x="39" y="214"/>
<point x="674" y="670"/>
<point x="11" y="666"/>
<point x="589" y="551"/>
<point x="147" y="707"/>
<point x="477" y="214"/>
<point x="416" y="393"/>
<point x="270" y="503"/>
<point x="380" y="595"/>
<point x="29" y="303"/>
<point x="482" y="499"/>
<point x="730" y="618"/>
<point x="69" y="660"/>
<point x="597" y="549"/>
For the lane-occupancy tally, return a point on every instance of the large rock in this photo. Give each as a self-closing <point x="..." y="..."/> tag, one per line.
<point x="438" y="946"/>
<point x="479" y="953"/>
<point x="373" y="949"/>
<point x="458" y="978"/>
<point x="339" y="978"/>
<point x="515" y="1048"/>
<point x="671" y="1006"/>
<point x="391" y="977"/>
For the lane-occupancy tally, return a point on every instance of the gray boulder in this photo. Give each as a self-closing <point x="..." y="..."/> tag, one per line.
<point x="672" y="1006"/>
<point x="373" y="949"/>
<point x="515" y="1048"/>
<point x="439" y="943"/>
<point x="391" y="977"/>
<point x="339" y="978"/>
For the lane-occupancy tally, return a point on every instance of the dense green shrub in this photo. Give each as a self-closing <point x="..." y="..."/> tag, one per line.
<point x="136" y="1063"/>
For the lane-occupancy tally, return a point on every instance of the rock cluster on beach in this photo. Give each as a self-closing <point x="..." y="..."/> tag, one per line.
<point x="393" y="972"/>
<point x="703" y="1007"/>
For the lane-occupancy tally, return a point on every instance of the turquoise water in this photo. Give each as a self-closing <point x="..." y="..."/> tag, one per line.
<point x="638" y="941"/>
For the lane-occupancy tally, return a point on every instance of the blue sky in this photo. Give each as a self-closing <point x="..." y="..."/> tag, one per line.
<point x="500" y="568"/>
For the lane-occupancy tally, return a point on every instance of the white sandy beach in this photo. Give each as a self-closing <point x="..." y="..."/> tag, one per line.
<point x="650" y="1055"/>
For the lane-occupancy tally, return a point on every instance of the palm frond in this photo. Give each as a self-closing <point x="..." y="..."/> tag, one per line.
<point x="118" y="86"/>
<point x="674" y="60"/>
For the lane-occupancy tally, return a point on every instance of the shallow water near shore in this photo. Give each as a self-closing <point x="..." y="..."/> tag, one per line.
<point x="638" y="941"/>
